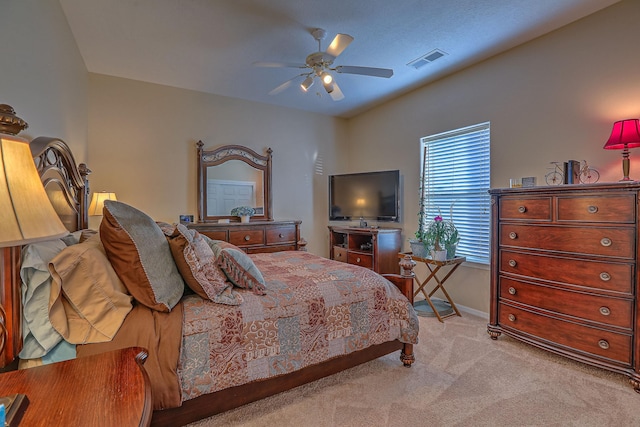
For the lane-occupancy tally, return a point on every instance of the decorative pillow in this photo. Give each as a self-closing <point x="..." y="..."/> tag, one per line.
<point x="198" y="266"/>
<point x="167" y="229"/>
<point x="88" y="302"/>
<point x="237" y="265"/>
<point x="140" y="255"/>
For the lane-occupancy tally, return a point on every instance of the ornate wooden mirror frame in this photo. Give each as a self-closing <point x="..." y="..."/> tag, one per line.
<point x="226" y="153"/>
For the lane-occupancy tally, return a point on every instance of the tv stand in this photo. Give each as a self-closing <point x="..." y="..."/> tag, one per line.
<point x="373" y="248"/>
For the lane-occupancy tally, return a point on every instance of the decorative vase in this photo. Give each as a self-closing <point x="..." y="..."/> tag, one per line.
<point x="245" y="218"/>
<point x="418" y="249"/>
<point x="439" y="255"/>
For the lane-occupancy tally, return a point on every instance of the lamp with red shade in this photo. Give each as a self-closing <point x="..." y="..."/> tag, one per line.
<point x="624" y="135"/>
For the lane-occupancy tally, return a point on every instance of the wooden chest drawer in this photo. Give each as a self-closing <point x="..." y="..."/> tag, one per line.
<point x="620" y="208"/>
<point x="246" y="237"/>
<point x="605" y="241"/>
<point x="340" y="253"/>
<point x="281" y="235"/>
<point x="363" y="260"/>
<point x="573" y="336"/>
<point x="595" y="308"/>
<point x="526" y="209"/>
<point x="215" y="235"/>
<point x="610" y="276"/>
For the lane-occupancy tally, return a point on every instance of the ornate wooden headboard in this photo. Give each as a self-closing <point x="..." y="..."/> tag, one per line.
<point x="67" y="186"/>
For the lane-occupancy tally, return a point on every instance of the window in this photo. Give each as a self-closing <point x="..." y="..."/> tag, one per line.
<point x="455" y="179"/>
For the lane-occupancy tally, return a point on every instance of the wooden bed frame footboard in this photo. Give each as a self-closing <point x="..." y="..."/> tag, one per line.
<point x="214" y="403"/>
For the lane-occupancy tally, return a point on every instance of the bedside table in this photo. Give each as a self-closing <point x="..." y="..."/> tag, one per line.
<point x="106" y="389"/>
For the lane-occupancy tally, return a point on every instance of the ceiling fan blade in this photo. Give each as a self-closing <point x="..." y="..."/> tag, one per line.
<point x="365" y="71"/>
<point x="283" y="86"/>
<point x="279" y="65"/>
<point x="336" y="94"/>
<point x="339" y="43"/>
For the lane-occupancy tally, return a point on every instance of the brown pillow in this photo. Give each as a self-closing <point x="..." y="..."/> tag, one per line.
<point x="140" y="255"/>
<point x="199" y="267"/>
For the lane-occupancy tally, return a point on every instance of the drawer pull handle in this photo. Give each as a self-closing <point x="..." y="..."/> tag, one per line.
<point x="605" y="311"/>
<point x="512" y="290"/>
<point x="605" y="277"/>
<point x="512" y="263"/>
<point x="522" y="209"/>
<point x="280" y="235"/>
<point x="358" y="259"/>
<point x="512" y="317"/>
<point x="247" y="238"/>
<point x="606" y="242"/>
<point x="513" y="235"/>
<point x="603" y="344"/>
<point x="592" y="209"/>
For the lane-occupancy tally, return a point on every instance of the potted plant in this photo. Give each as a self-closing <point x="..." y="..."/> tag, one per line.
<point x="244" y="212"/>
<point x="442" y="236"/>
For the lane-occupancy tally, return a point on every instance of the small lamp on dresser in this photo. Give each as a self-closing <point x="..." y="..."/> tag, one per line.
<point x="624" y="135"/>
<point x="26" y="216"/>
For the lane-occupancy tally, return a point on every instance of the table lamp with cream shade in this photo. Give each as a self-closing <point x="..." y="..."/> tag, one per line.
<point x="26" y="216"/>
<point x="97" y="204"/>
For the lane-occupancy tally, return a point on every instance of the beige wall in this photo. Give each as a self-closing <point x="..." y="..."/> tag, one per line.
<point x="554" y="98"/>
<point x="42" y="75"/>
<point x="142" y="140"/>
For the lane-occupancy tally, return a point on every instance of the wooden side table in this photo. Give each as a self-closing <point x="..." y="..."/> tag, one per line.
<point x="434" y="267"/>
<point x="108" y="389"/>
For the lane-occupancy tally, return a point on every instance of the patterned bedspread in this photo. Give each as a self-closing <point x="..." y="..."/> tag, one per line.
<point x="315" y="309"/>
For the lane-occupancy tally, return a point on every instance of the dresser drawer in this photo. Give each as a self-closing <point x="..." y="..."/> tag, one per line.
<point x="615" y="242"/>
<point x="246" y="237"/>
<point x="620" y="208"/>
<point x="595" y="341"/>
<point x="339" y="253"/>
<point x="281" y="235"/>
<point x="526" y="208"/>
<point x="363" y="260"/>
<point x="601" y="309"/>
<point x="215" y="235"/>
<point x="610" y="276"/>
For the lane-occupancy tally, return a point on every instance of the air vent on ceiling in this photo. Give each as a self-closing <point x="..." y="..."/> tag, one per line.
<point x="427" y="59"/>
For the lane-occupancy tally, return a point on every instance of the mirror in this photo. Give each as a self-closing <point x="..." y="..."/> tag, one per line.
<point x="232" y="176"/>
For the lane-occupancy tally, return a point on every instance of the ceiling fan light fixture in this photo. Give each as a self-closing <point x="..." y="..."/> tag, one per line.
<point x="326" y="78"/>
<point x="328" y="87"/>
<point x="307" y="83"/>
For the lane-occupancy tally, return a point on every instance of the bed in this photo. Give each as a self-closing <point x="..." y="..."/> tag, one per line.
<point x="259" y="324"/>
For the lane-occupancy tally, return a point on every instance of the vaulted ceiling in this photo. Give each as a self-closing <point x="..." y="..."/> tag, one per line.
<point x="211" y="45"/>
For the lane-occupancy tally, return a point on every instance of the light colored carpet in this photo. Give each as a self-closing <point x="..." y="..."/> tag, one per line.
<point x="461" y="378"/>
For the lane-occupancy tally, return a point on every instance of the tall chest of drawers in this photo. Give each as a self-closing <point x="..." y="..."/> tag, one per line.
<point x="564" y="272"/>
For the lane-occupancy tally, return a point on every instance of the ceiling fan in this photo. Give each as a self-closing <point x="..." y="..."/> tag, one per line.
<point x="319" y="66"/>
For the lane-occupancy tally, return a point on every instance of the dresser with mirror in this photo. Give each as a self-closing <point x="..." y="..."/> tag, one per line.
<point x="231" y="176"/>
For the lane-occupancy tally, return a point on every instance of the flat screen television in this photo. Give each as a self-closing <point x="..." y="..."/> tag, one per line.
<point x="367" y="195"/>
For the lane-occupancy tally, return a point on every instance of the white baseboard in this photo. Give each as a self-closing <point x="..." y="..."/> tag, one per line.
<point x="473" y="311"/>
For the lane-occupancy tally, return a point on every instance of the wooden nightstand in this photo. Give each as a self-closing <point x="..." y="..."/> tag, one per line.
<point x="106" y="389"/>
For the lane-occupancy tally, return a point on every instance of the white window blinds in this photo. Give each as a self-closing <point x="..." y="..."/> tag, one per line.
<point x="455" y="181"/>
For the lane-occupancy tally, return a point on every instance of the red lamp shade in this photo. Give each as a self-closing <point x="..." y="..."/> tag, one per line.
<point x="624" y="135"/>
